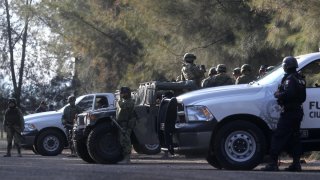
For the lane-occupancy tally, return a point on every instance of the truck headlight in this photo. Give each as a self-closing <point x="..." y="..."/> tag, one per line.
<point x="198" y="113"/>
<point x="29" y="127"/>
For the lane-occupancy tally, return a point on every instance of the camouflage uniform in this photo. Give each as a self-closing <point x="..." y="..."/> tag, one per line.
<point x="190" y="71"/>
<point x="13" y="124"/>
<point x="68" y="117"/>
<point x="206" y="81"/>
<point x="221" y="78"/>
<point x="246" y="76"/>
<point x="245" y="79"/>
<point x="125" y="118"/>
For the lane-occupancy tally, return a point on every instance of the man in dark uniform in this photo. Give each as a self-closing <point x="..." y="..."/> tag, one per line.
<point x="125" y="118"/>
<point x="68" y="117"/>
<point x="13" y="124"/>
<point x="290" y="95"/>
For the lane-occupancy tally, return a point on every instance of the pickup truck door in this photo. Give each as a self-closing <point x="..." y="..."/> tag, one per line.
<point x="311" y="122"/>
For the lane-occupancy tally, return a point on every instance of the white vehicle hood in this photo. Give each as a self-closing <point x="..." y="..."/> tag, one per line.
<point x="43" y="115"/>
<point x="195" y="97"/>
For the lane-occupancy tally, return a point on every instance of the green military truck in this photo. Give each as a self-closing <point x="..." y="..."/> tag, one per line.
<point x="95" y="132"/>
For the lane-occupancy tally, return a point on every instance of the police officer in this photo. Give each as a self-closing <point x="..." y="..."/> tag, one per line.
<point x="13" y="124"/>
<point x="190" y="71"/>
<point x="290" y="95"/>
<point x="222" y="78"/>
<point x="125" y="118"/>
<point x="68" y="118"/>
<point x="246" y="75"/>
<point x="211" y="73"/>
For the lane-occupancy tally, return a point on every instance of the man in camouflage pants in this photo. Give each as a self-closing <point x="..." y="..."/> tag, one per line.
<point x="68" y="117"/>
<point x="125" y="118"/>
<point x="190" y="71"/>
<point x="13" y="124"/>
<point x="246" y="75"/>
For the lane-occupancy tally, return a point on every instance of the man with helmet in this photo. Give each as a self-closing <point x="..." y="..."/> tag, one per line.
<point x="206" y="81"/>
<point x="126" y="119"/>
<point x="190" y="71"/>
<point x="222" y="78"/>
<point x="236" y="73"/>
<point x="68" y="117"/>
<point x="246" y="75"/>
<point x="290" y="96"/>
<point x="262" y="71"/>
<point x="13" y="124"/>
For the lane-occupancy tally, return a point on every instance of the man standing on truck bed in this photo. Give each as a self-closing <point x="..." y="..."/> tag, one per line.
<point x="290" y="94"/>
<point x="125" y="118"/>
<point x="68" y="117"/>
<point x="190" y="71"/>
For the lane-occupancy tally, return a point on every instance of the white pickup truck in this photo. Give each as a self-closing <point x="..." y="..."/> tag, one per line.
<point x="44" y="132"/>
<point x="232" y="125"/>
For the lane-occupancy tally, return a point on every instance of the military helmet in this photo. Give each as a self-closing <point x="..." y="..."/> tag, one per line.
<point x="221" y="68"/>
<point x="289" y="62"/>
<point x="236" y="71"/>
<point x="12" y="100"/>
<point x="245" y="68"/>
<point x="263" y="68"/>
<point x="71" y="98"/>
<point x="212" y="71"/>
<point x="189" y="57"/>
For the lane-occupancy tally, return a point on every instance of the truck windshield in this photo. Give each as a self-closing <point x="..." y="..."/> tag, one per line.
<point x="272" y="76"/>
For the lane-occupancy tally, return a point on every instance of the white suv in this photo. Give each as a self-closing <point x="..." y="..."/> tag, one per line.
<point x="233" y="124"/>
<point x="44" y="132"/>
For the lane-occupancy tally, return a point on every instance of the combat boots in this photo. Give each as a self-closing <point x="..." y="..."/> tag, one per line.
<point x="126" y="160"/>
<point x="19" y="151"/>
<point x="8" y="151"/>
<point x="271" y="167"/>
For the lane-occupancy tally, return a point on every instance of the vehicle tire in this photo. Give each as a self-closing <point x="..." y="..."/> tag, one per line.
<point x="50" y="143"/>
<point x="213" y="161"/>
<point x="82" y="151"/>
<point x="239" y="145"/>
<point x="149" y="149"/>
<point x="103" y="144"/>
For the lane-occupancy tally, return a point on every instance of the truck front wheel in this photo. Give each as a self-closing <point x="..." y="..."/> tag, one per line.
<point x="239" y="145"/>
<point x="82" y="150"/>
<point x="103" y="144"/>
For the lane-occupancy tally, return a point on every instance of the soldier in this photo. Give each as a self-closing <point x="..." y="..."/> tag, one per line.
<point x="290" y="95"/>
<point x="211" y="73"/>
<point x="236" y="73"/>
<point x="270" y="68"/>
<point x="222" y="78"/>
<point x="262" y="71"/>
<point x="68" y="118"/>
<point x="13" y="124"/>
<point x="190" y="71"/>
<point x="246" y="75"/>
<point x="125" y="118"/>
<point x="42" y="107"/>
